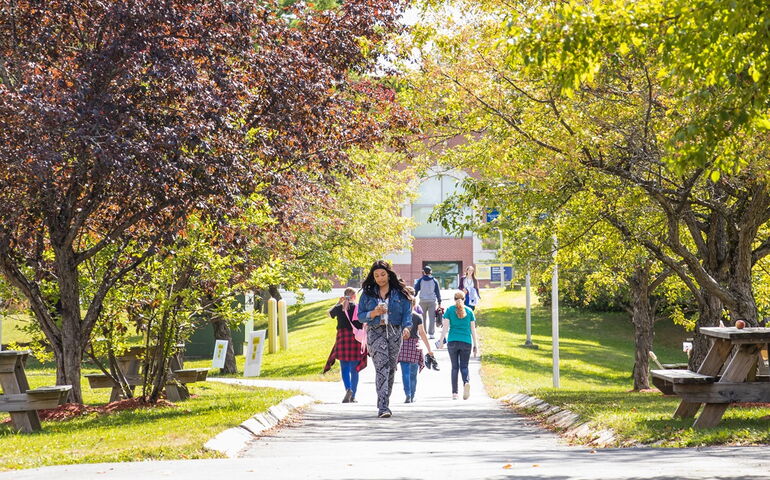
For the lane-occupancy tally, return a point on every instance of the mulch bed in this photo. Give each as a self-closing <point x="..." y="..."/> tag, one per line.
<point x="68" y="411"/>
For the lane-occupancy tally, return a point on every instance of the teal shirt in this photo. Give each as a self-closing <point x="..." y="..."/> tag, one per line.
<point x="459" y="328"/>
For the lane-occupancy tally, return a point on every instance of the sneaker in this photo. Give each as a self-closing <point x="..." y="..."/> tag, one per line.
<point x="348" y="396"/>
<point x="466" y="390"/>
<point x="438" y="344"/>
<point x="431" y="337"/>
<point x="385" y="414"/>
<point x="454" y="396"/>
<point x="353" y="400"/>
<point x="408" y="400"/>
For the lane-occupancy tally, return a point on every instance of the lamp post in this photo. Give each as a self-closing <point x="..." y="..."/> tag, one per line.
<point x="528" y="286"/>
<point x="555" y="314"/>
<point x="500" y="256"/>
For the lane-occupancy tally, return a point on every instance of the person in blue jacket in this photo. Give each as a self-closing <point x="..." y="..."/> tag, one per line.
<point x="387" y="309"/>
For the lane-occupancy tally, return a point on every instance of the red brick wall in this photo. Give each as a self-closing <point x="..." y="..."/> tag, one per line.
<point x="436" y="250"/>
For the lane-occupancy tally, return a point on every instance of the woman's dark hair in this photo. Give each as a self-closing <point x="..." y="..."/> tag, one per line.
<point x="369" y="286"/>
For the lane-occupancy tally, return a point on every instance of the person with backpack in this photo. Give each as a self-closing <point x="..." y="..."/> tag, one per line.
<point x="429" y="293"/>
<point x="347" y="349"/>
<point x="386" y="307"/>
<point x="461" y="340"/>
<point x="410" y="358"/>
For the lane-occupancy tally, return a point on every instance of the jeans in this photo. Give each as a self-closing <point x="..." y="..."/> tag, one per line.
<point x="409" y="377"/>
<point x="349" y="375"/>
<point x="459" y="354"/>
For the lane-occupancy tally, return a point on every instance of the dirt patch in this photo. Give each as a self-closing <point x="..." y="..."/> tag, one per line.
<point x="68" y="411"/>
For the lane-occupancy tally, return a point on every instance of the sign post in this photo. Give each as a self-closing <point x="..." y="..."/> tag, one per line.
<point x="220" y="354"/>
<point x="248" y="307"/>
<point x="254" y="349"/>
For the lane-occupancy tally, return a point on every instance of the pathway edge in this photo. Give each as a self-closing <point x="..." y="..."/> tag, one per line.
<point x="567" y="423"/>
<point x="233" y="440"/>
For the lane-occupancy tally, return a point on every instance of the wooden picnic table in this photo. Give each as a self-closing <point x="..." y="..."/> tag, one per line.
<point x="17" y="398"/>
<point x="130" y="363"/>
<point x="728" y="374"/>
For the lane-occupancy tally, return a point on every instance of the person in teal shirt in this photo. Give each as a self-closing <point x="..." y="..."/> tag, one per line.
<point x="461" y="341"/>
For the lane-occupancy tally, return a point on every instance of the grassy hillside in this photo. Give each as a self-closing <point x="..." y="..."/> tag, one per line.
<point x="596" y="358"/>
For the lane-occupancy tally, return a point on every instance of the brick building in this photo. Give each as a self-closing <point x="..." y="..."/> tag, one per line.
<point x="447" y="255"/>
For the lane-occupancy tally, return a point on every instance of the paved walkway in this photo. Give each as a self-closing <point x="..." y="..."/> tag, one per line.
<point x="436" y="437"/>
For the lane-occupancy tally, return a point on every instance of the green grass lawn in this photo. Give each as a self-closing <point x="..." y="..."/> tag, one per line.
<point x="11" y="329"/>
<point x="596" y="358"/>
<point x="311" y="337"/>
<point x="146" y="434"/>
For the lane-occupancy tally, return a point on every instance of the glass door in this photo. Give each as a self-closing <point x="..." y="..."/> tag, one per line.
<point x="446" y="273"/>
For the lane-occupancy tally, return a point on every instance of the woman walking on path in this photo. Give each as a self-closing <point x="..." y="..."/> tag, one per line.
<point x="387" y="308"/>
<point x="410" y="358"/>
<point x="461" y="340"/>
<point x="346" y="348"/>
<point x="470" y="286"/>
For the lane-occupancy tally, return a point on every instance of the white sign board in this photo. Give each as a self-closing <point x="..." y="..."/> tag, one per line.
<point x="220" y="353"/>
<point x="254" y="349"/>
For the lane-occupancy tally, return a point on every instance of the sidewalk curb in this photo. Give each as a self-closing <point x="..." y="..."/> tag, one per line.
<point x="567" y="423"/>
<point x="233" y="440"/>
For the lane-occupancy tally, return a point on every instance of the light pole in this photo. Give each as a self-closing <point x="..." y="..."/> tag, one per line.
<point x="500" y="257"/>
<point x="555" y="314"/>
<point x="528" y="316"/>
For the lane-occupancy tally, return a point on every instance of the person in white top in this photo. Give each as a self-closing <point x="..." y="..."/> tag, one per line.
<point x="470" y="286"/>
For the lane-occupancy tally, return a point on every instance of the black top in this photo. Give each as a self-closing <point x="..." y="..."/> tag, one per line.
<point x="416" y="322"/>
<point x="342" y="320"/>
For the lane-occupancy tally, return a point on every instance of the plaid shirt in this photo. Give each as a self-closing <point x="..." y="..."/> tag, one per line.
<point x="346" y="349"/>
<point x="411" y="352"/>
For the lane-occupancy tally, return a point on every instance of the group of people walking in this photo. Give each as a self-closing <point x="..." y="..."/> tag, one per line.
<point x="394" y="318"/>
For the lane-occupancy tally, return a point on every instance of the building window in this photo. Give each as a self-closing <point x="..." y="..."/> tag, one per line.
<point x="433" y="190"/>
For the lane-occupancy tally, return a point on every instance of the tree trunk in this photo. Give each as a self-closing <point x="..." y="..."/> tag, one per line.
<point x="709" y="315"/>
<point x="222" y="332"/>
<point x="643" y="318"/>
<point x="74" y="341"/>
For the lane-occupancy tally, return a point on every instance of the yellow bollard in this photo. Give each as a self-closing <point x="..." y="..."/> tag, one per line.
<point x="283" y="320"/>
<point x="272" y="326"/>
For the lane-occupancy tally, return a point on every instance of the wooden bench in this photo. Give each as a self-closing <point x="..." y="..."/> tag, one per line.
<point x="697" y="388"/>
<point x="176" y="386"/>
<point x="176" y="383"/>
<point x="18" y="399"/>
<point x="666" y="387"/>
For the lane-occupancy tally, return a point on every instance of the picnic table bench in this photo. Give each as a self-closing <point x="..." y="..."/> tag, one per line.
<point x="129" y="364"/>
<point x="18" y="399"/>
<point x="722" y="378"/>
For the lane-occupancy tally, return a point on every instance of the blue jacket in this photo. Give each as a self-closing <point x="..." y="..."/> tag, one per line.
<point x="399" y="309"/>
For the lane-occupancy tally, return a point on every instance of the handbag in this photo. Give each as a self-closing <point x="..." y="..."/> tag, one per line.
<point x="358" y="333"/>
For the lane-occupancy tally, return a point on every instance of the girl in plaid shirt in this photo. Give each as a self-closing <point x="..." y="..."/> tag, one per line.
<point x="410" y="357"/>
<point x="346" y="348"/>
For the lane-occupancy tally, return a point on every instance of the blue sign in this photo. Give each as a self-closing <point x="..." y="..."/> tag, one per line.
<point x="495" y="273"/>
<point x="492" y="215"/>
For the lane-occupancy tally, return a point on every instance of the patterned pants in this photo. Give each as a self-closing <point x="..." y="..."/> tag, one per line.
<point x="384" y="345"/>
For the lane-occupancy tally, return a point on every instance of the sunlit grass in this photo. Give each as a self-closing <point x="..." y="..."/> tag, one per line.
<point x="596" y="360"/>
<point x="146" y="434"/>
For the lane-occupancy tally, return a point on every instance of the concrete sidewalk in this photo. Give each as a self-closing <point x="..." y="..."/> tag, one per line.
<point x="436" y="437"/>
